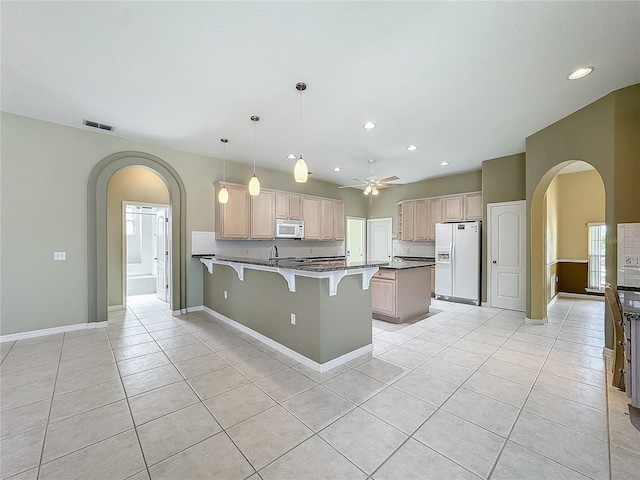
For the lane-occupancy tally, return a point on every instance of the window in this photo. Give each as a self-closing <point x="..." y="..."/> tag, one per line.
<point x="597" y="248"/>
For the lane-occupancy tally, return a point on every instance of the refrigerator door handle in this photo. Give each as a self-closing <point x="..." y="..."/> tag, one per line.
<point x="453" y="270"/>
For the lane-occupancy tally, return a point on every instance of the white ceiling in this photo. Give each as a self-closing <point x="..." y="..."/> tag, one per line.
<point x="465" y="81"/>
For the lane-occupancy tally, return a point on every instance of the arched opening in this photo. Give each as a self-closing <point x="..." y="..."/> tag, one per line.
<point x="544" y="242"/>
<point x="97" y="219"/>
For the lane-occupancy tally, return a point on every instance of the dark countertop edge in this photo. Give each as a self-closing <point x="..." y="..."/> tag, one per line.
<point x="422" y="259"/>
<point x="628" y="289"/>
<point x="406" y="266"/>
<point x="295" y="266"/>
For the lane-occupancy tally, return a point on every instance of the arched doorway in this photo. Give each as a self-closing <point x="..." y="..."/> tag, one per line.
<point x="539" y="238"/>
<point x="97" y="228"/>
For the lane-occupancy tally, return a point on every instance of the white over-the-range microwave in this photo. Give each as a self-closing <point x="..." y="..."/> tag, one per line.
<point x="289" y="228"/>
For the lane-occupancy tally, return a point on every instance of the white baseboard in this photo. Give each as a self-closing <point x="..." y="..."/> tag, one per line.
<point x="318" y="367"/>
<point x="51" y="331"/>
<point x="597" y="298"/>
<point x="195" y="309"/>
<point x="536" y="321"/>
<point x="114" y="308"/>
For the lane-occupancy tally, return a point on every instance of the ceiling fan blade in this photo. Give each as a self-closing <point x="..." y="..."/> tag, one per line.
<point x="351" y="186"/>
<point x="359" y="180"/>
<point x="385" y="185"/>
<point x="389" y="179"/>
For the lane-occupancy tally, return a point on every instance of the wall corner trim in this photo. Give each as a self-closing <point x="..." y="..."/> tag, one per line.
<point x="536" y="321"/>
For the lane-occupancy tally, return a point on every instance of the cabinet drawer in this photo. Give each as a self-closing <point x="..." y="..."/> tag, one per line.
<point x="385" y="273"/>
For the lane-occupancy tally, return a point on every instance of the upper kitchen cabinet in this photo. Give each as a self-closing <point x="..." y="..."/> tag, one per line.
<point x="311" y="217"/>
<point x="408" y="209"/>
<point x="338" y="220"/>
<point x="283" y="209"/>
<point x="232" y="218"/>
<point x="263" y="215"/>
<point x="435" y="216"/>
<point x="421" y="220"/>
<point x="326" y="219"/>
<point x="453" y="208"/>
<point x="473" y="206"/>
<point x="295" y="206"/>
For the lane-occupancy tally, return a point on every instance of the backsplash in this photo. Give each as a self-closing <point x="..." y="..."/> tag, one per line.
<point x="203" y="243"/>
<point x="414" y="249"/>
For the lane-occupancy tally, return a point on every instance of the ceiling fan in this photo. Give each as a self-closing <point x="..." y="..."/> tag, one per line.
<point x="372" y="184"/>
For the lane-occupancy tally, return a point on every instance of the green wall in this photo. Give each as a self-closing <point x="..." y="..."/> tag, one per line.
<point x="503" y="180"/>
<point x="45" y="174"/>
<point x="326" y="326"/>
<point x="605" y="135"/>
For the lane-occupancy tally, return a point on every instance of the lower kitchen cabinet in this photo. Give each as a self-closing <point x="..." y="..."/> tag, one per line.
<point x="398" y="295"/>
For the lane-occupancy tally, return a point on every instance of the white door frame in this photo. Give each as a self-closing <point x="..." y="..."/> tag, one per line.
<point x="124" y="245"/>
<point x="489" y="268"/>
<point x="363" y="222"/>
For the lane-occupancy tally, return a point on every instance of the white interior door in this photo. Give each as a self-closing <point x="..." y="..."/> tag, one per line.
<point x="162" y="235"/>
<point x="379" y="239"/>
<point x="506" y="255"/>
<point x="355" y="239"/>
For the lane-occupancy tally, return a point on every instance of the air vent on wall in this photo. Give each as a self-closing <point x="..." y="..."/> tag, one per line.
<point x="101" y="126"/>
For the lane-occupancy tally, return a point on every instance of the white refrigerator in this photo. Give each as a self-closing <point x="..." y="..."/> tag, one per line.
<point x="458" y="247"/>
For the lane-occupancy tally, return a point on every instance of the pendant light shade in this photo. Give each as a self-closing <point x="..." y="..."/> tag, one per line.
<point x="254" y="183"/>
<point x="223" y="194"/>
<point x="300" y="170"/>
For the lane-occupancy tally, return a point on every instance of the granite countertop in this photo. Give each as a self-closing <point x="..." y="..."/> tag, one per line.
<point x="415" y="259"/>
<point x="630" y="300"/>
<point x="310" y="264"/>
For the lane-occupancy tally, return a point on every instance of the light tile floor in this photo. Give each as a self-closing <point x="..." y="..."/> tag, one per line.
<point x="468" y="392"/>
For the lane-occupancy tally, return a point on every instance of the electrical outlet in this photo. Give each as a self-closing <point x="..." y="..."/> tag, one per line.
<point x="408" y="249"/>
<point x="293" y="319"/>
<point x="59" y="255"/>
<point x="311" y="250"/>
<point x="247" y="252"/>
<point x="225" y="295"/>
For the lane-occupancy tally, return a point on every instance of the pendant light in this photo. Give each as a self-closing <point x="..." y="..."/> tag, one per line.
<point x="254" y="183"/>
<point x="223" y="194"/>
<point x="300" y="171"/>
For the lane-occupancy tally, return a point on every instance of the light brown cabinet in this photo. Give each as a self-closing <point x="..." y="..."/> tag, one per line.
<point x="338" y="221"/>
<point x="311" y="217"/>
<point x="283" y="208"/>
<point x="420" y="220"/>
<point x="435" y="216"/>
<point x="400" y="295"/>
<point x="417" y="219"/>
<point x="326" y="220"/>
<point x="232" y="218"/>
<point x="263" y="215"/>
<point x="295" y="206"/>
<point x="407" y="220"/>
<point x="453" y="208"/>
<point x="473" y="206"/>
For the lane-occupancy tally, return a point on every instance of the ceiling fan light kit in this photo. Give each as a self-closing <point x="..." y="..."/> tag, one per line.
<point x="372" y="184"/>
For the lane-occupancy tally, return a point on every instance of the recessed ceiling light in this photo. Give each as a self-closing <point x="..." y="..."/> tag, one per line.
<point x="337" y="169"/>
<point x="369" y="126"/>
<point x="291" y="156"/>
<point x="412" y="148"/>
<point x="443" y="164"/>
<point x="580" y="72"/>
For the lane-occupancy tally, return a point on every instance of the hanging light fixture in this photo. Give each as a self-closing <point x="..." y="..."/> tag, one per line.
<point x="223" y="194"/>
<point x="254" y="183"/>
<point x="300" y="171"/>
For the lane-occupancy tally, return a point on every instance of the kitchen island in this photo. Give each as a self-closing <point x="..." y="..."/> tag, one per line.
<point x="317" y="311"/>
<point x="401" y="290"/>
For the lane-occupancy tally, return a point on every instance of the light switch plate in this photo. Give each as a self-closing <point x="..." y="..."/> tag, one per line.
<point x="59" y="255"/>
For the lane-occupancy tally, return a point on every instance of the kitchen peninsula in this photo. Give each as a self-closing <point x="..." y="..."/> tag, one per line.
<point x="317" y="311"/>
